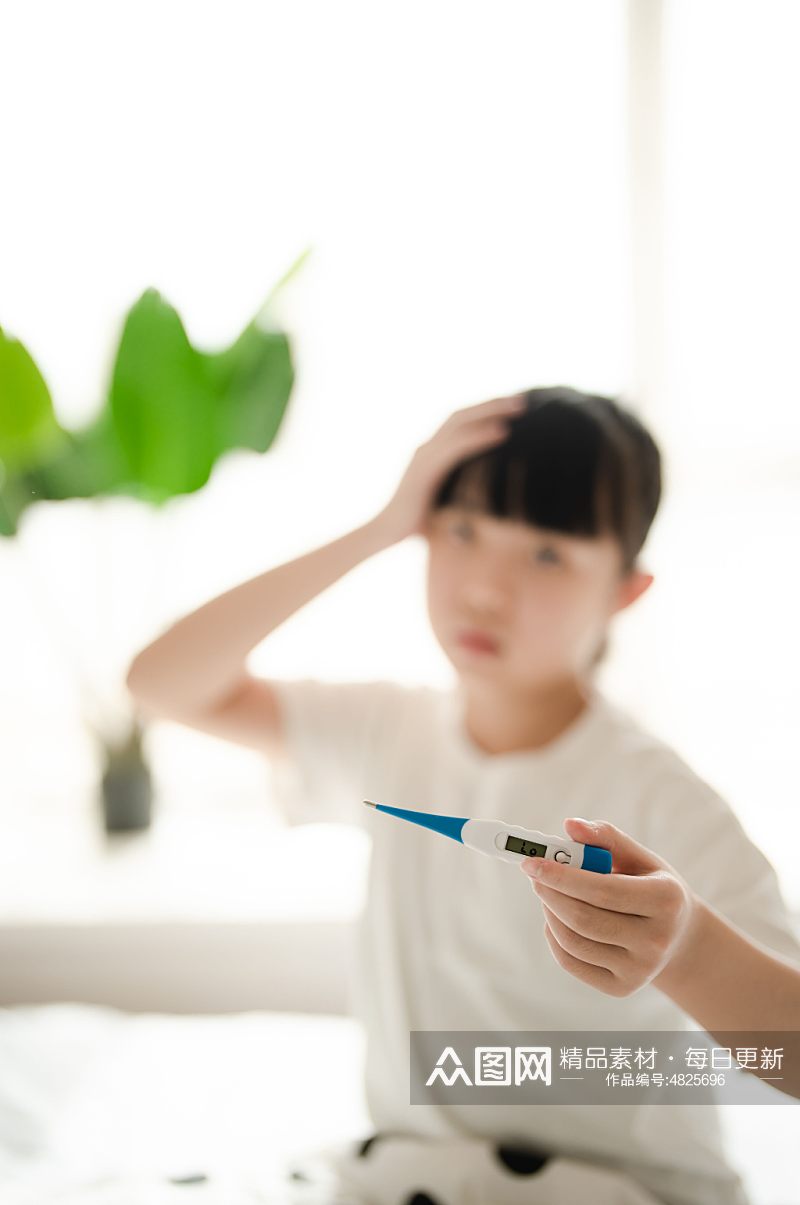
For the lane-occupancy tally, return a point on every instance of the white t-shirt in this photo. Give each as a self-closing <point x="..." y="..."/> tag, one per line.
<point x="439" y="942"/>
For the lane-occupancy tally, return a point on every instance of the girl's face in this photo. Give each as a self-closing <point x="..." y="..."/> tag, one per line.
<point x="520" y="605"/>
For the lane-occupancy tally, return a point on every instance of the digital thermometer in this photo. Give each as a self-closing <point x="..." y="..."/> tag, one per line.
<point x="508" y="842"/>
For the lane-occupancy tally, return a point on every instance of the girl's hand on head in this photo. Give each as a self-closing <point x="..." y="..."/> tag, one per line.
<point x="615" y="932"/>
<point x="464" y="434"/>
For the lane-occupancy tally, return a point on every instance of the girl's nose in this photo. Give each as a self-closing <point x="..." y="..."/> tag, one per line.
<point x="486" y="593"/>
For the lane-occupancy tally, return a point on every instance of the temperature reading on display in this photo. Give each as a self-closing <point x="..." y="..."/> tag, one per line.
<point x="530" y="849"/>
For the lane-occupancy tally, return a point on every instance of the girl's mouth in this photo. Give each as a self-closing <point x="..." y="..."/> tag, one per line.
<point x="473" y="640"/>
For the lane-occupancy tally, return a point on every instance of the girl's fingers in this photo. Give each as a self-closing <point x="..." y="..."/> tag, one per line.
<point x="633" y="894"/>
<point x="480" y="426"/>
<point x="448" y="447"/>
<point x="595" y="952"/>
<point x="469" y="430"/>
<point x="597" y="977"/>
<point x="475" y="436"/>
<point x="596" y="924"/>
<point x="629" y="857"/>
<point x="514" y="404"/>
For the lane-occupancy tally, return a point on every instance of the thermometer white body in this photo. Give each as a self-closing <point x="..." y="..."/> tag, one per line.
<point x="508" y="842"/>
<point x="511" y="843"/>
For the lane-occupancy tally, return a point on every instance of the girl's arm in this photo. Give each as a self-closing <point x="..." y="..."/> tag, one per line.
<point x="727" y="981"/>
<point x="196" y="671"/>
<point x="642" y="924"/>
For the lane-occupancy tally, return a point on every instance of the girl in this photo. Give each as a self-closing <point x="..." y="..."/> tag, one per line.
<point x="535" y="509"/>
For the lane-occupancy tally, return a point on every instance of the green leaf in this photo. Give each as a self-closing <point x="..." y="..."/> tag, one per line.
<point x="13" y="500"/>
<point x="90" y="462"/>
<point x="171" y="412"/>
<point x="162" y="402"/>
<point x="177" y="410"/>
<point x="28" y="428"/>
<point x="252" y="381"/>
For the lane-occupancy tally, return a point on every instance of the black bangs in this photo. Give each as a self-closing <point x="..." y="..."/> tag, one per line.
<point x="574" y="463"/>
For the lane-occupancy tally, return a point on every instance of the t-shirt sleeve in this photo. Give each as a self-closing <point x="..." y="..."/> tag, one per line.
<point x="335" y="734"/>
<point x="700" y="835"/>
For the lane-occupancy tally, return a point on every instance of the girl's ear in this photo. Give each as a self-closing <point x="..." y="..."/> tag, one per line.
<point x="631" y="588"/>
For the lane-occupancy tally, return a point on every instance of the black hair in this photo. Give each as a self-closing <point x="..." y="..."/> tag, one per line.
<point x="573" y="462"/>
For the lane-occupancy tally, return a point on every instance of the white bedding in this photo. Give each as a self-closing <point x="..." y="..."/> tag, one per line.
<point x="99" y="1107"/>
<point x="105" y="1108"/>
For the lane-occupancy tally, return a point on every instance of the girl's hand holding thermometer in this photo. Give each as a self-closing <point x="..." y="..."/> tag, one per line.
<point x="508" y="842"/>
<point x="619" y="933"/>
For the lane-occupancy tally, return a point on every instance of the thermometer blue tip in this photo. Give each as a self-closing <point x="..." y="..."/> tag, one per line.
<point x="449" y="826"/>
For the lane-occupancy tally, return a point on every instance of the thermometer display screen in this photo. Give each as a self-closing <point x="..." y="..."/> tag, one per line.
<point x="530" y="849"/>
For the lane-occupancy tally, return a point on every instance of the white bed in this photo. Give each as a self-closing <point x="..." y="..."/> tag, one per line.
<point x="217" y="914"/>
<point x="100" y="1107"/>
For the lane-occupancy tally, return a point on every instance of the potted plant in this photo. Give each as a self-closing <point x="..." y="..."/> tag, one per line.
<point x="170" y="413"/>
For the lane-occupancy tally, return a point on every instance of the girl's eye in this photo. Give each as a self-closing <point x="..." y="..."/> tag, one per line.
<point x="546" y="556"/>
<point x="461" y="530"/>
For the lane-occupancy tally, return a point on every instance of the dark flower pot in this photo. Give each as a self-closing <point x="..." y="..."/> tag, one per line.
<point x="127" y="788"/>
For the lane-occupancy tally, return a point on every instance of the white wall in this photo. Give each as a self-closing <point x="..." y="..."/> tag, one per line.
<point x="462" y="179"/>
